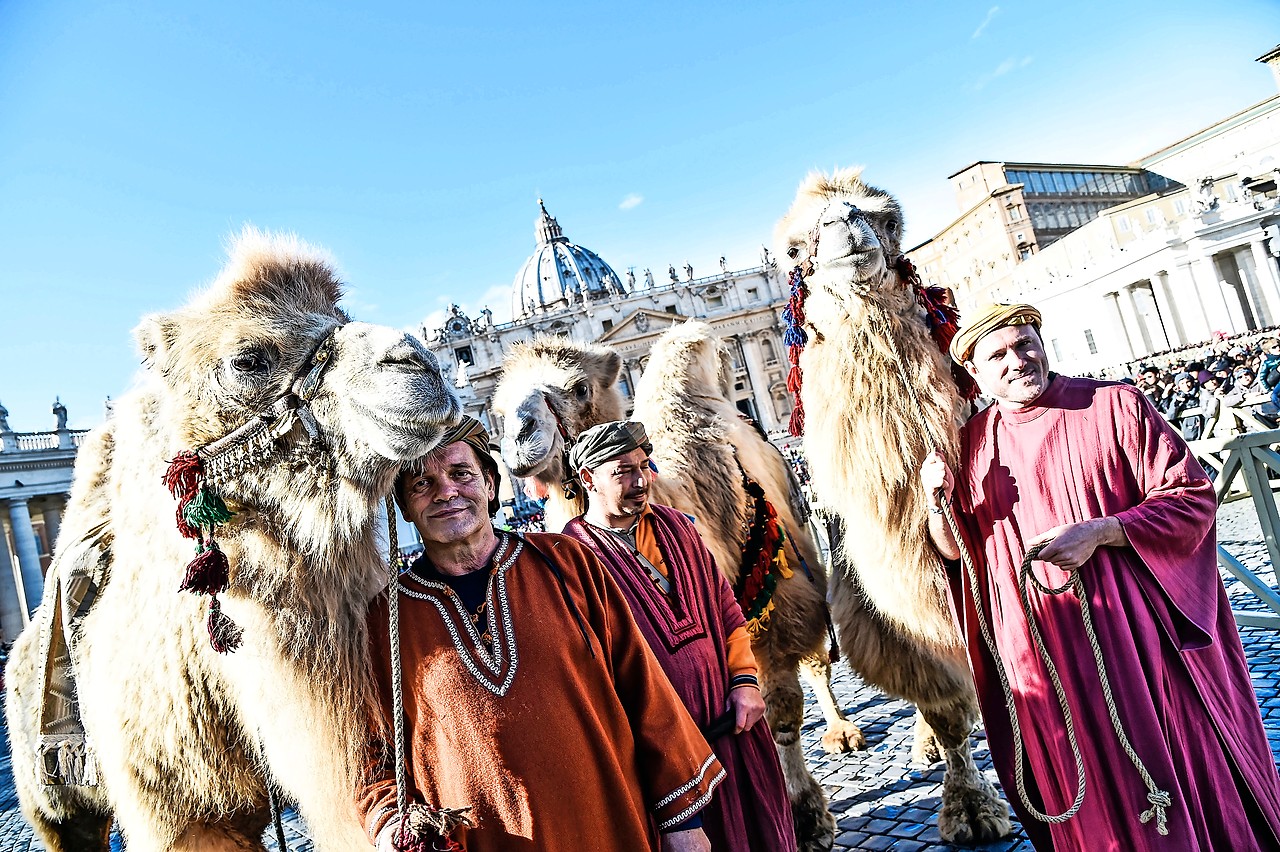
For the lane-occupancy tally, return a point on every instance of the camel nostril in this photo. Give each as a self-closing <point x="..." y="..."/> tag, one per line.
<point x="527" y="430"/>
<point x="405" y="355"/>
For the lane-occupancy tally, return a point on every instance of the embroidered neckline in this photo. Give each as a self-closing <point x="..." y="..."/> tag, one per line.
<point x="485" y="665"/>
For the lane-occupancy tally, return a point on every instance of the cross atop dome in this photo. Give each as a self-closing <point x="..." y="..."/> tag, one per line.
<point x="547" y="229"/>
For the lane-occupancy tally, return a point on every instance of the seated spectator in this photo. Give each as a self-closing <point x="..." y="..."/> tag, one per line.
<point x="1149" y="383"/>
<point x="1269" y="365"/>
<point x="1244" y="386"/>
<point x="1248" y="388"/>
<point x="1182" y="408"/>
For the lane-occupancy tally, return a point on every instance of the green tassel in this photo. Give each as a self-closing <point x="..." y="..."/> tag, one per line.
<point x="206" y="509"/>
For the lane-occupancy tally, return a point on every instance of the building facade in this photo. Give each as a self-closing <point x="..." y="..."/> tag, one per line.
<point x="1011" y="211"/>
<point x="566" y="290"/>
<point x="35" y="476"/>
<point x="1167" y="251"/>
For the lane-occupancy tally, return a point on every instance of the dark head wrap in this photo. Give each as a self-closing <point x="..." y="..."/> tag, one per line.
<point x="607" y="441"/>
<point x="473" y="434"/>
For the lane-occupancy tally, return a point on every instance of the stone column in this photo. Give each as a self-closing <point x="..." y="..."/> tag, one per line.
<point x="1264" y="266"/>
<point x="1209" y="294"/>
<point x="1168" y="309"/>
<point x="52" y="513"/>
<point x="13" y="616"/>
<point x="759" y="387"/>
<point x="1129" y="306"/>
<point x="1118" y="320"/>
<point x="24" y="539"/>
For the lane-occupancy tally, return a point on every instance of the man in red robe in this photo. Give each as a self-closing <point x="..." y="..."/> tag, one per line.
<point x="1093" y="473"/>
<point x="531" y="701"/>
<point x="688" y="613"/>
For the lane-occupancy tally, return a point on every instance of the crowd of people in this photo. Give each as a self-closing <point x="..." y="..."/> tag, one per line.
<point x="1192" y="387"/>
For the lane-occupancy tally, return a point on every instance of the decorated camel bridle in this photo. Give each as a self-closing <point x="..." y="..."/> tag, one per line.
<point x="942" y="320"/>
<point x="195" y="478"/>
<point x="568" y="477"/>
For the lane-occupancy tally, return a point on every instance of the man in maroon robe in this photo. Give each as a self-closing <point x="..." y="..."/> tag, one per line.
<point x="1091" y="471"/>
<point x="686" y="610"/>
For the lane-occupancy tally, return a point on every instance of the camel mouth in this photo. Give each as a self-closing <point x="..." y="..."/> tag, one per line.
<point x="527" y="457"/>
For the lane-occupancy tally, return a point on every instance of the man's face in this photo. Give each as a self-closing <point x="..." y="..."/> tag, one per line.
<point x="449" y="500"/>
<point x="621" y="485"/>
<point x="1149" y="378"/>
<point x="1185" y="385"/>
<point x="1010" y="364"/>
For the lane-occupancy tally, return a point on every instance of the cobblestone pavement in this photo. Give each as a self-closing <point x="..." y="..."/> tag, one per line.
<point x="879" y="801"/>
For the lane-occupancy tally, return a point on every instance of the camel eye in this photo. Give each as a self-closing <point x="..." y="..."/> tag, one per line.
<point x="793" y="252"/>
<point x="580" y="390"/>
<point x="251" y="361"/>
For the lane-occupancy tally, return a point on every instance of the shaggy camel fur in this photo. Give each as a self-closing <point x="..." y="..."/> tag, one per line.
<point x="186" y="738"/>
<point x="865" y="446"/>
<point x="698" y="443"/>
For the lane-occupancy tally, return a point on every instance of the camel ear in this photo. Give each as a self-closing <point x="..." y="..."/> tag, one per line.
<point x="155" y="336"/>
<point x="607" y="364"/>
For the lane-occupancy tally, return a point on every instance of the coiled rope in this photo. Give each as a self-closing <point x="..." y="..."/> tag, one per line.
<point x="1159" y="799"/>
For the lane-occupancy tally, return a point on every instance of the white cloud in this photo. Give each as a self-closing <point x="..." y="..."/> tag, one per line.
<point x="991" y="13"/>
<point x="631" y="202"/>
<point x="1010" y="64"/>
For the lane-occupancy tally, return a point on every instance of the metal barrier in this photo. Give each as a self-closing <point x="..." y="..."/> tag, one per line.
<point x="1243" y="466"/>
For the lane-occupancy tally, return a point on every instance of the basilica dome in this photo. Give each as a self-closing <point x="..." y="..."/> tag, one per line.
<point x="559" y="273"/>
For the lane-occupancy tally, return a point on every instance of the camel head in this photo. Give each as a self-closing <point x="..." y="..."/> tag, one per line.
<point x="844" y="234"/>
<point x="691" y="359"/>
<point x="549" y="383"/>
<point x="259" y="332"/>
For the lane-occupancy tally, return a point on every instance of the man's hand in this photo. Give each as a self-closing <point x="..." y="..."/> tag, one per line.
<point x="1072" y="545"/>
<point x="747" y="705"/>
<point x="937" y="480"/>
<point x="694" y="840"/>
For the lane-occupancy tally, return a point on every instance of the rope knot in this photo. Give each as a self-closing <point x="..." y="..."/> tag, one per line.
<point x="1160" y="802"/>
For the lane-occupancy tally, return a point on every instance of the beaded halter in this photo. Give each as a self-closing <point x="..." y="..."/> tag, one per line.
<point x="195" y="478"/>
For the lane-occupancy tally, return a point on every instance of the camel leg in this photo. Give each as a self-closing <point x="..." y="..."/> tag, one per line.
<point x="241" y="835"/>
<point x="841" y="735"/>
<point x="784" y="711"/>
<point x="925" y="748"/>
<point x="938" y="682"/>
<point x="972" y="811"/>
<point x="82" y="832"/>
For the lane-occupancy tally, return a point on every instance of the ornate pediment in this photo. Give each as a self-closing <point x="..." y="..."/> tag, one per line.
<point x="642" y="323"/>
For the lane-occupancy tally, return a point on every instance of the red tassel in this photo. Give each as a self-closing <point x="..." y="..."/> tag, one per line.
<point x="209" y="573"/>
<point x="225" y="635"/>
<point x="795" y="380"/>
<point x="183" y="478"/>
<point x="184" y="474"/>
<point x="796" y="424"/>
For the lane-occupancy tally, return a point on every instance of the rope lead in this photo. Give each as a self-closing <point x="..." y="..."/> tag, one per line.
<point x="1159" y="799"/>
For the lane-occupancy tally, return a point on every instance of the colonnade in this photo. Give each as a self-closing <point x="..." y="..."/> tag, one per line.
<point x="1233" y="291"/>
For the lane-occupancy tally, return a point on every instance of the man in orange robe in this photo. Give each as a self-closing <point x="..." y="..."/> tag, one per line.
<point x="530" y="696"/>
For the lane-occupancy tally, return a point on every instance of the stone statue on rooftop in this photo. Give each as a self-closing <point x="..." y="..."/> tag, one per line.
<point x="648" y="278"/>
<point x="4" y="419"/>
<point x="688" y="271"/>
<point x="60" y="412"/>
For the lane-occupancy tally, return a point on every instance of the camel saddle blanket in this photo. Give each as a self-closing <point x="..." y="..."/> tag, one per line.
<point x="79" y="571"/>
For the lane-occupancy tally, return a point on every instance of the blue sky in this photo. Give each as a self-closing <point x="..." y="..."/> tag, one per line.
<point x="412" y="139"/>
